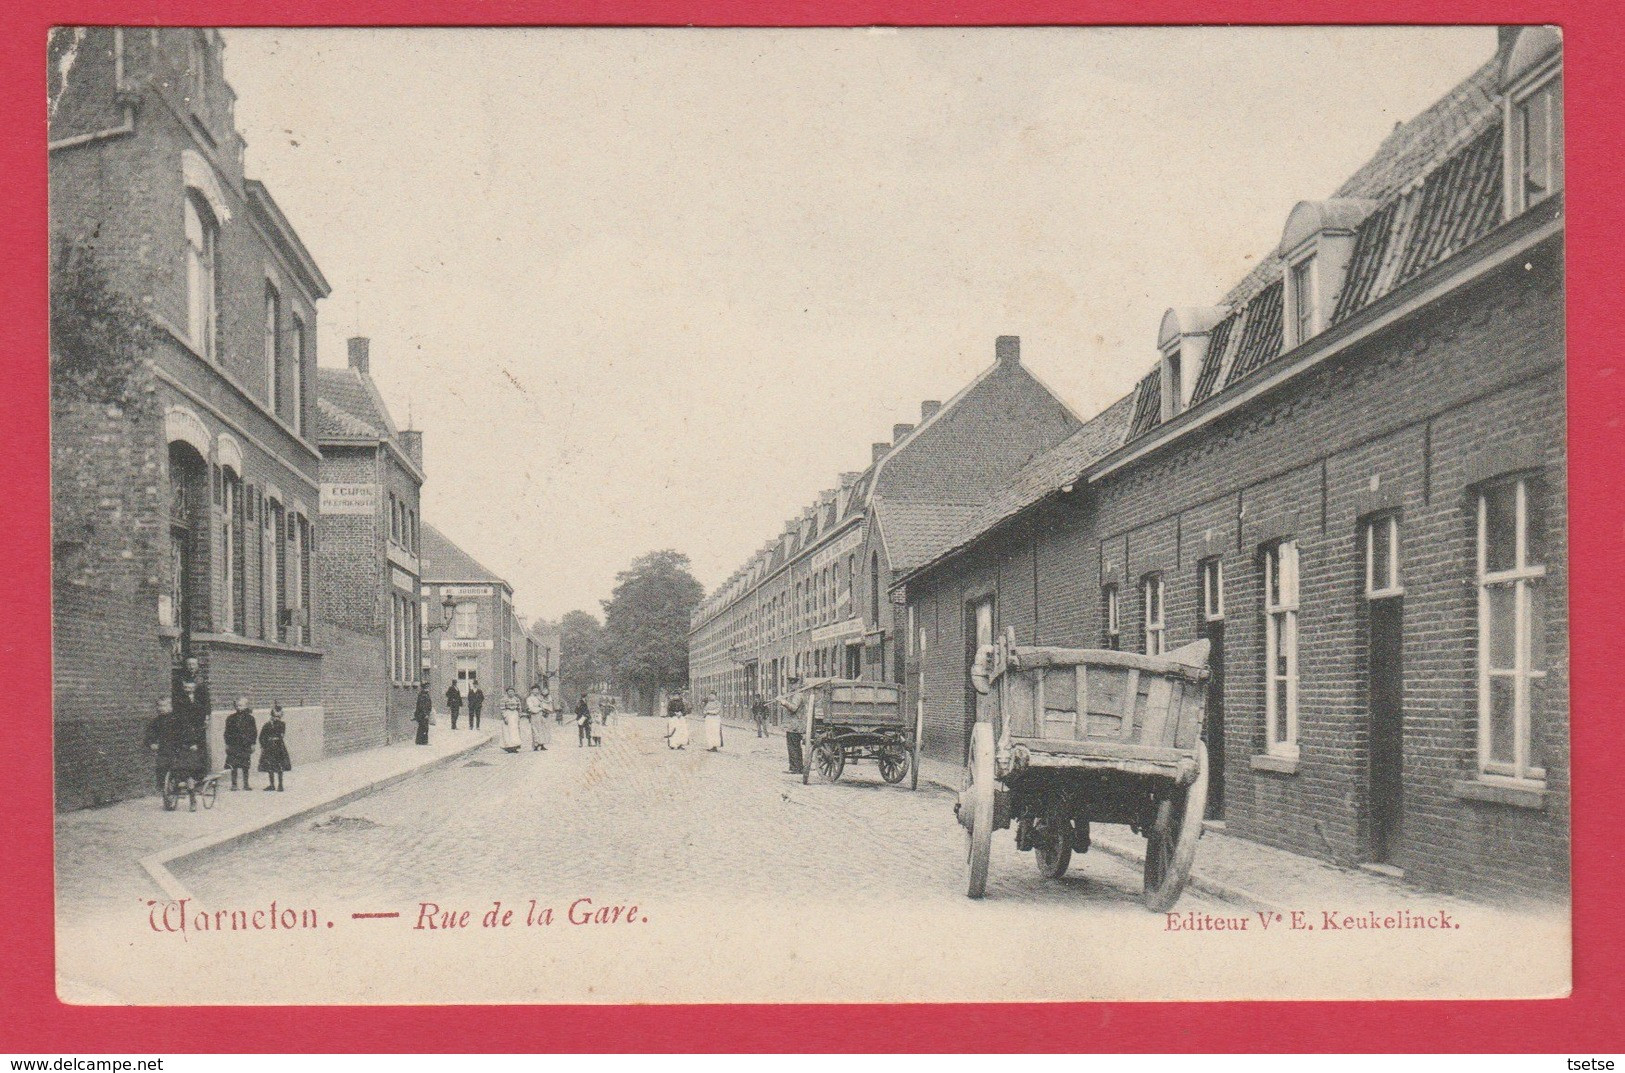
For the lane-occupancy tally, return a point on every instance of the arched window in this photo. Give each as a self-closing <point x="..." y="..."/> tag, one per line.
<point x="202" y="273"/>
<point x="188" y="541"/>
<point x="234" y="611"/>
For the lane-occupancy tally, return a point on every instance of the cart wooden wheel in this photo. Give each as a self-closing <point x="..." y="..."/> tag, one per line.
<point x="1052" y="845"/>
<point x="978" y="799"/>
<point x="830" y="758"/>
<point x="211" y="791"/>
<point x="1170" y="845"/>
<point x="172" y="792"/>
<point x="893" y="763"/>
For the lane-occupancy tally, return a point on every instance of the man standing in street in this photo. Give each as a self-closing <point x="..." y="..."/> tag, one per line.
<point x="796" y="701"/>
<point x="454" y="703"/>
<point x="758" y="714"/>
<point x="190" y="702"/>
<point x="423" y="712"/>
<point x="476" y="701"/>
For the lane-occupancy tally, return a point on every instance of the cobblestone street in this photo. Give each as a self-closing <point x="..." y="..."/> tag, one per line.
<point x="747" y="886"/>
<point x="637" y="817"/>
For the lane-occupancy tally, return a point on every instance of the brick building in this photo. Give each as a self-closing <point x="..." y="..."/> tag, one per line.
<point x="814" y="601"/>
<point x="1350" y="477"/>
<point x="182" y="512"/>
<point x="370" y="597"/>
<point x="469" y="627"/>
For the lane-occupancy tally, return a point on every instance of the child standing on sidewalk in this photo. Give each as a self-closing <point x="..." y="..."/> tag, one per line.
<point x="241" y="734"/>
<point x="274" y="759"/>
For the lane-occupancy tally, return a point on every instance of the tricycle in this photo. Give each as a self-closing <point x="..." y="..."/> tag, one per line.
<point x="1067" y="737"/>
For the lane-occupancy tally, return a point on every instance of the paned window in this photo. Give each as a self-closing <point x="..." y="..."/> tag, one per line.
<point x="1511" y="657"/>
<point x="1151" y="602"/>
<point x="1281" y="648"/>
<point x="1381" y="541"/>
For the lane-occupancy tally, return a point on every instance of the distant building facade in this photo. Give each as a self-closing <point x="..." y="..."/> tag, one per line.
<point x="1351" y="479"/>
<point x="370" y="600"/>
<point x="814" y="601"/>
<point x="468" y="622"/>
<point x="183" y="520"/>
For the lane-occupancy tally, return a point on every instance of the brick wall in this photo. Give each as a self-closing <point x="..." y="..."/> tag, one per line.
<point x="109" y="669"/>
<point x="353" y="692"/>
<point x="1409" y="421"/>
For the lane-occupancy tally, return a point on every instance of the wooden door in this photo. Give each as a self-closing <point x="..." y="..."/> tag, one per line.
<point x="1387" y="727"/>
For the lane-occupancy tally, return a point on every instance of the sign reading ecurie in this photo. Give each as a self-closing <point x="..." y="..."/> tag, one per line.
<point x="349" y="498"/>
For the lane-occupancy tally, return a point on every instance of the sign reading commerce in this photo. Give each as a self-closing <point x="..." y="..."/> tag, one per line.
<point x="349" y="498"/>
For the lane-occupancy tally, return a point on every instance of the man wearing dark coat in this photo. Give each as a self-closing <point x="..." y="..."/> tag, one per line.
<point x="190" y="696"/>
<point x="454" y="703"/>
<point x="176" y="743"/>
<point x="425" y="709"/>
<point x="241" y="735"/>
<point x="476" y="701"/>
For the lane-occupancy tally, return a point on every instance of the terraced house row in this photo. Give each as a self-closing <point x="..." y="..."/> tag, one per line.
<point x="215" y="495"/>
<point x="1349" y="476"/>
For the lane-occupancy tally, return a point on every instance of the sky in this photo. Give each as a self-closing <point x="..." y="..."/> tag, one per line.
<point x="649" y="289"/>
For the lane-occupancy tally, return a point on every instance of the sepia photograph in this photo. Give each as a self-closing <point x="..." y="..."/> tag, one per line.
<point x="808" y="515"/>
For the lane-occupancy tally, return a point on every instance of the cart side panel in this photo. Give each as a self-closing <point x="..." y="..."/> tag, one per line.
<point x="1020" y="704"/>
<point x="1060" y="702"/>
<point x="1193" y="701"/>
<point x="1105" y="702"/>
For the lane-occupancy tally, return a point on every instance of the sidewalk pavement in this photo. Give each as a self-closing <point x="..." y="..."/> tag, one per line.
<point x="1241" y="871"/>
<point x="107" y="856"/>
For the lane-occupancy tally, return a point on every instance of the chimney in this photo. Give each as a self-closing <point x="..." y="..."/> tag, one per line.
<point x="1007" y="348"/>
<point x="360" y="360"/>
<point x="879" y="450"/>
<point x="928" y="409"/>
<point x="899" y="431"/>
<point x="412" y="443"/>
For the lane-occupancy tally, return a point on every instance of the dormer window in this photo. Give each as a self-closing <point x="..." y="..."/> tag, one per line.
<point x="1183" y="340"/>
<point x="1533" y="83"/>
<point x="1317" y="245"/>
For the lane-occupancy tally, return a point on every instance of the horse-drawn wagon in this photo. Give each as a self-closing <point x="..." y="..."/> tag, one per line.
<point x="1067" y="738"/>
<point x="849" y="721"/>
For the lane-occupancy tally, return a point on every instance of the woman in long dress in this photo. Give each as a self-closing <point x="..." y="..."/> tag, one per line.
<point x="713" y="723"/>
<point x="510" y="721"/>
<point x="541" y="733"/>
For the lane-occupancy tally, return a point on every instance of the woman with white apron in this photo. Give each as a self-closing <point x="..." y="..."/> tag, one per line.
<point x="510" y="721"/>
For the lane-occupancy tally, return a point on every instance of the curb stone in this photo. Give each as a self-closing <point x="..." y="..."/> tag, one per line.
<point x="156" y="865"/>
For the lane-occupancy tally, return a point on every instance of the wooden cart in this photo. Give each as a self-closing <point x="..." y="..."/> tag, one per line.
<point x="852" y="720"/>
<point x="1065" y="738"/>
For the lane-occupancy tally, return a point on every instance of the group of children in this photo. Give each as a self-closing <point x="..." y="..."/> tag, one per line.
<point x="179" y="742"/>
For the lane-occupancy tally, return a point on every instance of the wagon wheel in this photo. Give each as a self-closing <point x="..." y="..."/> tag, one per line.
<point x="976" y="810"/>
<point x="830" y="758"/>
<point x="1170" y="845"/>
<point x="893" y="762"/>
<point x="172" y="792"/>
<point x="211" y="791"/>
<point x="1052" y="844"/>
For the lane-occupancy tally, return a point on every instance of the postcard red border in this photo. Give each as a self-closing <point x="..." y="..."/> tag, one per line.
<point x="1593" y="1019"/>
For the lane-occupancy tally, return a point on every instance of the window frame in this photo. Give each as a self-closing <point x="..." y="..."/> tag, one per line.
<point x="1210" y="597"/>
<point x="1282" y="607"/>
<point x="1112" y="611"/>
<point x="1524" y="576"/>
<point x="1548" y="80"/>
<point x="1301" y="276"/>
<point x="1368" y="527"/>
<point x="202" y="274"/>
<point x="273" y="348"/>
<point x="459" y="631"/>
<point x="1154" y="636"/>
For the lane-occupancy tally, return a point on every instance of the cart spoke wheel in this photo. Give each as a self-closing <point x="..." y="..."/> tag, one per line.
<point x="172" y="794"/>
<point x="978" y="799"/>
<point x="1052" y="845"/>
<point x="893" y="763"/>
<point x="830" y="758"/>
<point x="1170" y="845"/>
<point x="211" y="790"/>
